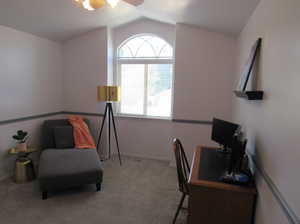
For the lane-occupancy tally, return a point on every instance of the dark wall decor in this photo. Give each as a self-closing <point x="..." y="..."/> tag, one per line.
<point x="244" y="79"/>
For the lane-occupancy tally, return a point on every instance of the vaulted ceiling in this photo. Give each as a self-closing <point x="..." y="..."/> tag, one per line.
<point x="60" y="20"/>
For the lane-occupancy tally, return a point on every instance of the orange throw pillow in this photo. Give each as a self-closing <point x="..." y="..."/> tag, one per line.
<point x="82" y="135"/>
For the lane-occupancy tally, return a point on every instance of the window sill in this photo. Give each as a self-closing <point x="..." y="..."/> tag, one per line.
<point x="143" y="117"/>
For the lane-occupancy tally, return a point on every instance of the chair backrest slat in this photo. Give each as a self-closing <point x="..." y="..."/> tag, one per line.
<point x="182" y="165"/>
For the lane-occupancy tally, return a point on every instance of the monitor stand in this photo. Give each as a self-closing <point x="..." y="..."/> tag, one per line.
<point x="227" y="177"/>
<point x="223" y="149"/>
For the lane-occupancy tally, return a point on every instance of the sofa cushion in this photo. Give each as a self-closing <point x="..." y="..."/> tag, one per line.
<point x="70" y="167"/>
<point x="63" y="136"/>
<point x="48" y="141"/>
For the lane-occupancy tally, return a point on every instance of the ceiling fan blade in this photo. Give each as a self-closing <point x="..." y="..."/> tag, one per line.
<point x="134" y="2"/>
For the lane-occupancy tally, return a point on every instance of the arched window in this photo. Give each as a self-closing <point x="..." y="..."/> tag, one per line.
<point x="145" y="74"/>
<point x="146" y="46"/>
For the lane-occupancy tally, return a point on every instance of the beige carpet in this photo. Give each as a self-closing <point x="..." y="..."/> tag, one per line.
<point x="139" y="192"/>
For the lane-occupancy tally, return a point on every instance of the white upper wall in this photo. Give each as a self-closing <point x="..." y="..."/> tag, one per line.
<point x="63" y="20"/>
<point x="84" y="68"/>
<point x="204" y="73"/>
<point x="31" y="75"/>
<point x="272" y="125"/>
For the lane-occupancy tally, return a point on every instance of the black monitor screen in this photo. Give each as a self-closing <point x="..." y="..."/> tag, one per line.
<point x="223" y="131"/>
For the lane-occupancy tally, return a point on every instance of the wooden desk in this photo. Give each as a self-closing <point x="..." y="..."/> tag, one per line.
<point x="212" y="201"/>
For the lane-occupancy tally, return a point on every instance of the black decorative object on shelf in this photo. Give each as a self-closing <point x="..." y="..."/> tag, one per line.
<point x="250" y="95"/>
<point x="242" y="92"/>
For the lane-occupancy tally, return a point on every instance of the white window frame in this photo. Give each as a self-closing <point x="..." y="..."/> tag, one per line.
<point x="146" y="62"/>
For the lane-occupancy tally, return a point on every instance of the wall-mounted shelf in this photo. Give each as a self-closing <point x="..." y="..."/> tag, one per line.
<point x="242" y="92"/>
<point x="250" y="95"/>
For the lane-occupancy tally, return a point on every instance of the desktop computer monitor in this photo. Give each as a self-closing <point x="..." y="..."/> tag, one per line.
<point x="223" y="131"/>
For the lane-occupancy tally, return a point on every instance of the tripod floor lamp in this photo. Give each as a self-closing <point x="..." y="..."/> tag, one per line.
<point x="109" y="94"/>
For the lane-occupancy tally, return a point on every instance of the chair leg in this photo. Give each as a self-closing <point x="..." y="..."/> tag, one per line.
<point x="98" y="186"/>
<point x="179" y="207"/>
<point x="45" y="195"/>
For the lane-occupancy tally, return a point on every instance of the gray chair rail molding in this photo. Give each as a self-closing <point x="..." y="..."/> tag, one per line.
<point x="288" y="211"/>
<point x="32" y="117"/>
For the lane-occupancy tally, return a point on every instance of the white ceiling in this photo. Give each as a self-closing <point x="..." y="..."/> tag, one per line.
<point x="59" y="20"/>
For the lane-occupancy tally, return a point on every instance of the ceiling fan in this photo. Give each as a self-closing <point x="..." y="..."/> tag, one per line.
<point x="96" y="4"/>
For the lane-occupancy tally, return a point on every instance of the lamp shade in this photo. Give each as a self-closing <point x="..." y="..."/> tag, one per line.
<point x="96" y="4"/>
<point x="109" y="93"/>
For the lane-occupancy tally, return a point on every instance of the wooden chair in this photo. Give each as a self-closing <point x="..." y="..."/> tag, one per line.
<point x="183" y="170"/>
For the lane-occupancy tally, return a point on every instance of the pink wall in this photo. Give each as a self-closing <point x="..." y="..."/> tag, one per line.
<point x="84" y="68"/>
<point x="204" y="68"/>
<point x="86" y="65"/>
<point x="150" y="138"/>
<point x="31" y="74"/>
<point x="272" y="125"/>
<point x="31" y="84"/>
<point x="204" y="72"/>
<point x="87" y="61"/>
<point x="153" y="138"/>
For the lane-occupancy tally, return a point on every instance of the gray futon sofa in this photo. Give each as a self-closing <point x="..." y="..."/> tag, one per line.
<point x="61" y="166"/>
